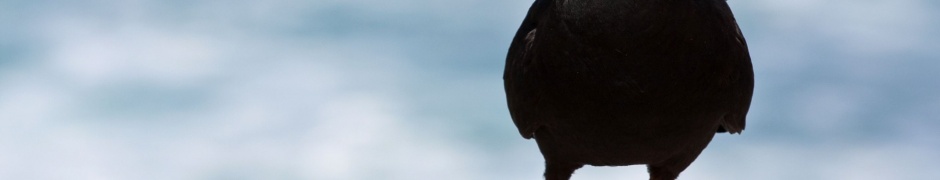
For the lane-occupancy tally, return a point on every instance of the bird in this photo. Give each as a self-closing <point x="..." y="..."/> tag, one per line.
<point x="627" y="82"/>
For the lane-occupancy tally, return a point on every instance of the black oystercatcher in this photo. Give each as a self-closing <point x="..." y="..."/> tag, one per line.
<point x="626" y="82"/>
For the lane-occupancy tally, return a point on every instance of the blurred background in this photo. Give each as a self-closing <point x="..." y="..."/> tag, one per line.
<point x="412" y="90"/>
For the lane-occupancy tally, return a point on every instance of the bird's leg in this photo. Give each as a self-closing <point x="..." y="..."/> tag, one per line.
<point x="661" y="173"/>
<point x="559" y="171"/>
<point x="670" y="168"/>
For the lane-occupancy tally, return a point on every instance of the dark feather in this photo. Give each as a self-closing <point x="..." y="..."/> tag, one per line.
<point x="615" y="82"/>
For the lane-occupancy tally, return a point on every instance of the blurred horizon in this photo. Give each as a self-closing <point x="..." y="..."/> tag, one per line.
<point x="412" y="89"/>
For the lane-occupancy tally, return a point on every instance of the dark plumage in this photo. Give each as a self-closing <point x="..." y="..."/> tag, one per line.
<point x="625" y="82"/>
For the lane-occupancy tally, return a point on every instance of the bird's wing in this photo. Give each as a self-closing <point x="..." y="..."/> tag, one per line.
<point x="515" y="63"/>
<point x="743" y="80"/>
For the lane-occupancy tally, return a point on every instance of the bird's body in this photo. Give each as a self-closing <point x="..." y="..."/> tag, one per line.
<point x="625" y="82"/>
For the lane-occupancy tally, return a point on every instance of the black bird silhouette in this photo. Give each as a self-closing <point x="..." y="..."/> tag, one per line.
<point x="626" y="82"/>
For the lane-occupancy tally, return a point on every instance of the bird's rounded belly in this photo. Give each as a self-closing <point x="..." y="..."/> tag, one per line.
<point x="629" y="141"/>
<point x="622" y="122"/>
